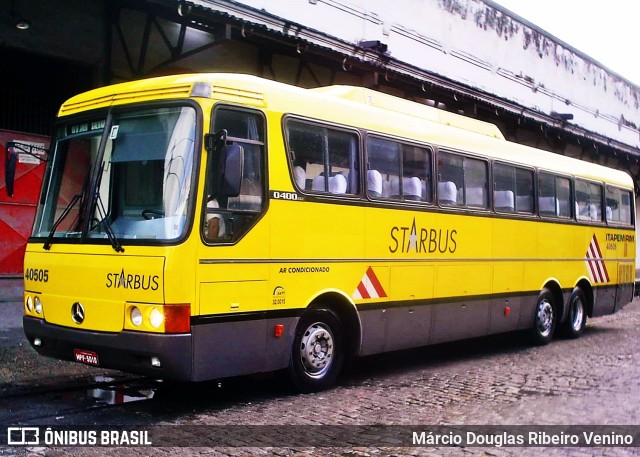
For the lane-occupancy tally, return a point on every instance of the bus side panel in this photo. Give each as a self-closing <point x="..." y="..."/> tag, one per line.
<point x="232" y="348"/>
<point x="374" y="330"/>
<point x="228" y="348"/>
<point x="462" y="315"/>
<point x="408" y="326"/>
<point x="604" y="298"/>
<point x="414" y="318"/>
<point x="508" y="310"/>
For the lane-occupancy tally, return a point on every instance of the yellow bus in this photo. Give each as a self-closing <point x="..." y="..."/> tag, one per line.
<point x="203" y="226"/>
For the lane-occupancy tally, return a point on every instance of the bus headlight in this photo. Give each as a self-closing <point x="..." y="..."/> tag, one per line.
<point x="37" y="304"/>
<point x="156" y="318"/>
<point x="33" y="305"/>
<point x="136" y="316"/>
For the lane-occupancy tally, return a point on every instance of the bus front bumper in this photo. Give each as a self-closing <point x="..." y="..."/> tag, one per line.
<point x="166" y="356"/>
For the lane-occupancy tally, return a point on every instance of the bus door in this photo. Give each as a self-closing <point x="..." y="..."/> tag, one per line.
<point x="232" y="268"/>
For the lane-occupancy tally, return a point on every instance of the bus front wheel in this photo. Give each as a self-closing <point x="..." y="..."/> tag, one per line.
<point x="544" y="322"/>
<point x="318" y="351"/>
<point x="577" y="319"/>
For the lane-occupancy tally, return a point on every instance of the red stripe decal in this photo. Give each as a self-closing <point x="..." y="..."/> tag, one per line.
<point x="375" y="283"/>
<point x="363" y="290"/>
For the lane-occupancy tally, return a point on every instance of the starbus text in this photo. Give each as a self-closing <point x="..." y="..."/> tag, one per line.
<point x="129" y="281"/>
<point x="423" y="240"/>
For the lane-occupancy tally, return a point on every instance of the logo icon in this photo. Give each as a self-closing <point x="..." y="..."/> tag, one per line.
<point x="77" y="313"/>
<point x="23" y="435"/>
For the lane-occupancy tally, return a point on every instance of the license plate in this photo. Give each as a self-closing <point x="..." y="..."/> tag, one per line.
<point x="86" y="357"/>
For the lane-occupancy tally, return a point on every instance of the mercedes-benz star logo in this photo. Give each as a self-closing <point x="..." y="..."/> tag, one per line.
<point x="77" y="313"/>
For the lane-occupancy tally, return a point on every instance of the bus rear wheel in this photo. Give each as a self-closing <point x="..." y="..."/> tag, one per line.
<point x="544" y="321"/>
<point x="577" y="319"/>
<point x="317" y="352"/>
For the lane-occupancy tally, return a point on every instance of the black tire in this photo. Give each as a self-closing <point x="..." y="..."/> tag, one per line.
<point x="577" y="318"/>
<point x="315" y="367"/>
<point x="545" y="318"/>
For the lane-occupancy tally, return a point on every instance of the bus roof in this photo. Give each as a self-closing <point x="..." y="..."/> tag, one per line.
<point x="350" y="106"/>
<point x="408" y="107"/>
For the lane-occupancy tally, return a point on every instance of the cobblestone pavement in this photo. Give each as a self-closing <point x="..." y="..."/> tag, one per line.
<point x="499" y="380"/>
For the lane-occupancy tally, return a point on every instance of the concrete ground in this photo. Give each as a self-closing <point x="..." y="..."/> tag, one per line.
<point x="11" y="312"/>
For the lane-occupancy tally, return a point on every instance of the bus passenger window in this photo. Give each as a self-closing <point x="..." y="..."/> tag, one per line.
<point x="513" y="189"/>
<point x="323" y="159"/>
<point x="618" y="206"/>
<point x="588" y="201"/>
<point x="504" y="185"/>
<point x="563" y="189"/>
<point x="625" y="207"/>
<point x="450" y="179"/>
<point x="555" y="195"/>
<point x="398" y="171"/>
<point x="524" y="191"/>
<point x="416" y="173"/>
<point x="383" y="159"/>
<point x="466" y="176"/>
<point x="475" y="183"/>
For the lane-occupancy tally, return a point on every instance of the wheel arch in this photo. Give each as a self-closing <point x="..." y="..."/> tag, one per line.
<point x="556" y="290"/>
<point x="341" y="304"/>
<point x="587" y="288"/>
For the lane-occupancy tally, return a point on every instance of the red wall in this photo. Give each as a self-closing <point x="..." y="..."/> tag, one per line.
<point x="17" y="212"/>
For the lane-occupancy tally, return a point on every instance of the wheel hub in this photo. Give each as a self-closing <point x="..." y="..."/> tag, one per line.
<point x="545" y="318"/>
<point x="578" y="314"/>
<point x="316" y="349"/>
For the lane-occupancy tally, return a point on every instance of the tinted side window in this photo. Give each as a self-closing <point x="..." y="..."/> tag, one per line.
<point x="384" y="160"/>
<point x="475" y="183"/>
<point x="462" y="181"/>
<point x="398" y="171"/>
<point x="512" y="189"/>
<point x="504" y="188"/>
<point x="324" y="159"/>
<point x="524" y="191"/>
<point x="588" y="201"/>
<point x="618" y="206"/>
<point x="554" y="195"/>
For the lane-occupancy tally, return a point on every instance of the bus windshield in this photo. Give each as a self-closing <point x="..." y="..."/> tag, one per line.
<point x="139" y="177"/>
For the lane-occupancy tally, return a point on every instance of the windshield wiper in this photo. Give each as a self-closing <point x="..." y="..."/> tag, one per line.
<point x="96" y="202"/>
<point x="78" y="223"/>
<point x="67" y="209"/>
<point x="106" y="225"/>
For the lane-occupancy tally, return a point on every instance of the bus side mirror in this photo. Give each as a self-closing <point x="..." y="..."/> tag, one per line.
<point x="10" y="160"/>
<point x="12" y="148"/>
<point x="233" y="157"/>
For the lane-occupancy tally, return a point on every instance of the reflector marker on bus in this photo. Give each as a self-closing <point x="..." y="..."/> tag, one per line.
<point x="595" y="262"/>
<point x="369" y="287"/>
